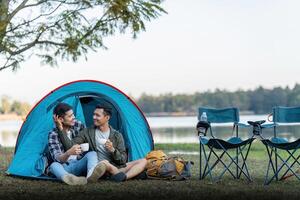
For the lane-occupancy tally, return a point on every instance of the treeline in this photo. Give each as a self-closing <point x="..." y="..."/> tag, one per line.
<point x="9" y="106"/>
<point x="258" y="101"/>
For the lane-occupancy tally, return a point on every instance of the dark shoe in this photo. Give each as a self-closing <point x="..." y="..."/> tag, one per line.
<point x="142" y="176"/>
<point x="119" y="177"/>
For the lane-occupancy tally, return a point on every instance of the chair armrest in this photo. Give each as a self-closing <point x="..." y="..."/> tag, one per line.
<point x="271" y="125"/>
<point x="242" y="125"/>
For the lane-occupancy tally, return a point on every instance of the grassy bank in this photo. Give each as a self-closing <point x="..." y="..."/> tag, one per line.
<point x="15" y="188"/>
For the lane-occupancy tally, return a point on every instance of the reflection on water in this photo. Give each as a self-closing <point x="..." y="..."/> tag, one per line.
<point x="170" y="130"/>
<point x="8" y="138"/>
<point x="9" y="132"/>
<point x="174" y="135"/>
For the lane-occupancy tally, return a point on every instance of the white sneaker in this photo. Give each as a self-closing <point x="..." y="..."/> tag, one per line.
<point x="98" y="171"/>
<point x="71" y="179"/>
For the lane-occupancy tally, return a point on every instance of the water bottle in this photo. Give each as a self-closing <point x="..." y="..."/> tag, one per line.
<point x="203" y="118"/>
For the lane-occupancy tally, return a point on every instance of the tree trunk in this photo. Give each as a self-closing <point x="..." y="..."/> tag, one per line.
<point x="3" y="18"/>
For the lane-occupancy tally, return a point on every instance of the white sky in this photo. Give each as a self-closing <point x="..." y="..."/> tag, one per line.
<point x="199" y="45"/>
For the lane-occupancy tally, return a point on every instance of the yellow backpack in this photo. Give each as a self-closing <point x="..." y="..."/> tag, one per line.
<point x="160" y="166"/>
<point x="156" y="154"/>
<point x="154" y="160"/>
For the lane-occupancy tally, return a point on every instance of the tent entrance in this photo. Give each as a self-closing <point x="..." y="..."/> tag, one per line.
<point x="89" y="103"/>
<point x="84" y="105"/>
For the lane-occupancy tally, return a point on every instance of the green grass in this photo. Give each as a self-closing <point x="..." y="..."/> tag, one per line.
<point x="14" y="188"/>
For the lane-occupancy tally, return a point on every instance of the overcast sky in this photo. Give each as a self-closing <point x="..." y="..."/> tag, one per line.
<point x="199" y="45"/>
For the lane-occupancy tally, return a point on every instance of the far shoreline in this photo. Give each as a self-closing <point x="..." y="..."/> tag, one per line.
<point x="185" y="114"/>
<point x="13" y="116"/>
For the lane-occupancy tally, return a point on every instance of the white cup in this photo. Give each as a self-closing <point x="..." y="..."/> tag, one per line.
<point x="102" y="141"/>
<point x="84" y="146"/>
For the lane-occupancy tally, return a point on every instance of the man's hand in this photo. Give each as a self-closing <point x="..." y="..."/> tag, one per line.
<point x="58" y="122"/>
<point x="74" y="150"/>
<point x="109" y="146"/>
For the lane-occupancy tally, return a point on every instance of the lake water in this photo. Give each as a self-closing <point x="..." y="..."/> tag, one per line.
<point x="168" y="130"/>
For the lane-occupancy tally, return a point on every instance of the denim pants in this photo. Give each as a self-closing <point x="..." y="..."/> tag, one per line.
<point x="76" y="167"/>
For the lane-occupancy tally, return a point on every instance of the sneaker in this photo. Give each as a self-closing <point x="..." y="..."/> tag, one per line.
<point x="71" y="179"/>
<point x="119" y="177"/>
<point x="98" y="171"/>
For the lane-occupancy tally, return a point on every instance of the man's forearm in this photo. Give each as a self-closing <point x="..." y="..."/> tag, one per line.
<point x="64" y="157"/>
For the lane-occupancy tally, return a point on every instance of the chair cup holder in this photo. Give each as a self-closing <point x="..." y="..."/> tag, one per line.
<point x="202" y="127"/>
<point x="257" y="128"/>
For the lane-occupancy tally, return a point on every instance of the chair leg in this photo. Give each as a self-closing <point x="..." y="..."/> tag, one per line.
<point x="244" y="165"/>
<point x="295" y="161"/>
<point x="276" y="163"/>
<point x="211" y="167"/>
<point x="284" y="163"/>
<point x="244" y="161"/>
<point x="206" y="168"/>
<point x="227" y="167"/>
<point x="237" y="161"/>
<point x="200" y="161"/>
<point x="207" y="163"/>
<point x="233" y="162"/>
<point x="270" y="164"/>
<point x="219" y="158"/>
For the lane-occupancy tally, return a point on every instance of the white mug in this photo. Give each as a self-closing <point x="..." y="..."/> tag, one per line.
<point x="102" y="141"/>
<point x="84" y="146"/>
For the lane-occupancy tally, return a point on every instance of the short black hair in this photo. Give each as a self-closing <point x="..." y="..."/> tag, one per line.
<point x="61" y="109"/>
<point x="107" y="110"/>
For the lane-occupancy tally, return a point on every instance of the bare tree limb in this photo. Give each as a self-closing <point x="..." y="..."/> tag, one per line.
<point x="13" y="13"/>
<point x="29" y="45"/>
<point x="36" y="18"/>
<point x="6" y="65"/>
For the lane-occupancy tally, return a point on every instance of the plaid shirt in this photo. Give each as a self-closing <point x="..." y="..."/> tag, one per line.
<point x="54" y="144"/>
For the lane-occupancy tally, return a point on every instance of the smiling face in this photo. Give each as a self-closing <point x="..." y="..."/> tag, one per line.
<point x="68" y="119"/>
<point x="100" y="117"/>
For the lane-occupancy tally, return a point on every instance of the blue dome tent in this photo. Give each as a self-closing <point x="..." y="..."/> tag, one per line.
<point x="83" y="96"/>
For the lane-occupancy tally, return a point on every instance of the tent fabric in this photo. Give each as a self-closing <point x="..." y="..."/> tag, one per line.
<point x="83" y="96"/>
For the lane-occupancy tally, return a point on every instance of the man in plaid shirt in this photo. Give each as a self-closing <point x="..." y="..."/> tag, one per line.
<point x="68" y="165"/>
<point x="55" y="146"/>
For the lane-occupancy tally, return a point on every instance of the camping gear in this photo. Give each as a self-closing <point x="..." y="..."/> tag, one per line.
<point x="234" y="149"/>
<point x="283" y="154"/>
<point x="161" y="166"/>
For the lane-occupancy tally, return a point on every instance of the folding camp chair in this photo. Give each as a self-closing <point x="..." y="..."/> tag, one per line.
<point x="212" y="147"/>
<point x="283" y="155"/>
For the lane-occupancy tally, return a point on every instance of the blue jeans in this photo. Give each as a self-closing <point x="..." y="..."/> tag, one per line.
<point x="76" y="167"/>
